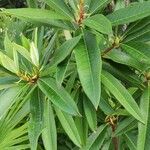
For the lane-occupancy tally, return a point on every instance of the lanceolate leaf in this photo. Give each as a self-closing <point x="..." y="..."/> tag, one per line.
<point x="40" y="15"/>
<point x="8" y="63"/>
<point x="129" y="14"/>
<point x="89" y="64"/>
<point x="90" y="113"/>
<point x="135" y="53"/>
<point x="23" y="51"/>
<point x="69" y="126"/>
<point x="99" y="23"/>
<point x="93" y="137"/>
<point x="143" y="129"/>
<point x="122" y="95"/>
<point x="129" y="138"/>
<point x="64" y="50"/>
<point x="60" y="7"/>
<point x="58" y="95"/>
<point x="8" y="97"/>
<point x="36" y="120"/>
<point x="97" y="5"/>
<point x="49" y="134"/>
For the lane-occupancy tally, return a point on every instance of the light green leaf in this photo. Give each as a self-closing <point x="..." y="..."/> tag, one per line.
<point x="89" y="63"/>
<point x="143" y="129"/>
<point x="8" y="97"/>
<point x="8" y="63"/>
<point x="122" y="95"/>
<point x="69" y="126"/>
<point x="16" y="59"/>
<point x="58" y="95"/>
<point x="36" y="118"/>
<point x="34" y="54"/>
<point x="8" y="46"/>
<point x="130" y="14"/>
<point x="49" y="134"/>
<point x="40" y="15"/>
<point x="23" y="51"/>
<point x="60" y="7"/>
<point x="100" y="23"/>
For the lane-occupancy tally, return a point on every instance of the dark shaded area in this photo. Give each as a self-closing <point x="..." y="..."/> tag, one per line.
<point x="12" y="3"/>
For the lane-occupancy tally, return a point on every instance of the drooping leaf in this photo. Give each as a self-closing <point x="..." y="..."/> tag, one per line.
<point x="100" y="23"/>
<point x="94" y="136"/>
<point x="8" y="97"/>
<point x="89" y="63"/>
<point x="122" y="95"/>
<point x="49" y="134"/>
<point x="130" y="14"/>
<point x="81" y="122"/>
<point x="36" y="119"/>
<point x="69" y="126"/>
<point x="130" y="140"/>
<point x="143" y="129"/>
<point x="58" y="95"/>
<point x="90" y="113"/>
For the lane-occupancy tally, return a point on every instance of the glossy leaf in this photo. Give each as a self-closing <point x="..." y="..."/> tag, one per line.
<point x="90" y="113"/>
<point x="135" y="53"/>
<point x="97" y="5"/>
<point x="100" y="23"/>
<point x="131" y="13"/>
<point x="49" y="134"/>
<point x="143" y="129"/>
<point x="64" y="50"/>
<point x="36" y="119"/>
<point x="69" y="126"/>
<point x="93" y="137"/>
<point x="8" y="97"/>
<point x="88" y="61"/>
<point x="60" y="7"/>
<point x="58" y="95"/>
<point x="122" y="95"/>
<point x="40" y="15"/>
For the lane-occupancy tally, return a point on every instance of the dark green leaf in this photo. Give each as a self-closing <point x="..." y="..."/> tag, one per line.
<point x="122" y="95"/>
<point x="89" y="64"/>
<point x="129" y="14"/>
<point x="58" y="95"/>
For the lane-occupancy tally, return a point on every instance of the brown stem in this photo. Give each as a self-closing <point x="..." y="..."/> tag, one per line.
<point x="108" y="49"/>
<point x="115" y="139"/>
<point x="113" y="123"/>
<point x="81" y="11"/>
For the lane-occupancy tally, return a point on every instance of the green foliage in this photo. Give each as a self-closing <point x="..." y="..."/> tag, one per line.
<point x="75" y="75"/>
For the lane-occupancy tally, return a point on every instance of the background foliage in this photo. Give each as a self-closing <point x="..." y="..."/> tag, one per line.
<point x="74" y="74"/>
